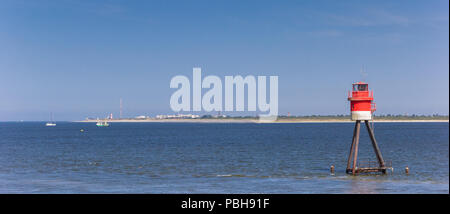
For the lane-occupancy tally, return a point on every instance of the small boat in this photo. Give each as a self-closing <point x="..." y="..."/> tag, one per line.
<point x="102" y="124"/>
<point x="51" y="123"/>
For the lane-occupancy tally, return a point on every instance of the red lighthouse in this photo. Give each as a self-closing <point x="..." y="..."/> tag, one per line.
<point x="361" y="102"/>
<point x="361" y="108"/>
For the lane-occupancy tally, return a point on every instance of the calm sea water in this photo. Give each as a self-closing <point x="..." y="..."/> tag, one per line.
<point x="217" y="158"/>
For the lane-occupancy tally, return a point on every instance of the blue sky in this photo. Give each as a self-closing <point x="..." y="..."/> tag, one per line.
<point x="78" y="58"/>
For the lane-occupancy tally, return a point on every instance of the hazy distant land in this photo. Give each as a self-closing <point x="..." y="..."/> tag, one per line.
<point x="284" y="119"/>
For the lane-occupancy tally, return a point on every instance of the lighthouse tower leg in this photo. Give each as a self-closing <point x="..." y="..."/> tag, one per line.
<point x="354" y="149"/>
<point x="353" y="156"/>
<point x="375" y="146"/>
<point x="349" y="162"/>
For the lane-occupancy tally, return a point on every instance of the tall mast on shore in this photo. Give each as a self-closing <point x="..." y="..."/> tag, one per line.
<point x="121" y="108"/>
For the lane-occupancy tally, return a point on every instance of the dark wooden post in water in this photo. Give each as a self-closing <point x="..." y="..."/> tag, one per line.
<point x="362" y="107"/>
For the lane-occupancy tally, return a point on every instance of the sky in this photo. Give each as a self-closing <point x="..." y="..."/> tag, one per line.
<point x="78" y="58"/>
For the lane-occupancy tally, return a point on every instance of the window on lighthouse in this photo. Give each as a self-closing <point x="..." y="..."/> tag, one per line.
<point x="360" y="87"/>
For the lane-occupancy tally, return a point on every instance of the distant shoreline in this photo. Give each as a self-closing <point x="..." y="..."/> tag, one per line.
<point x="244" y="120"/>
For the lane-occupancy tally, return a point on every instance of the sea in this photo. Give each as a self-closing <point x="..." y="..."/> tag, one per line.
<point x="219" y="158"/>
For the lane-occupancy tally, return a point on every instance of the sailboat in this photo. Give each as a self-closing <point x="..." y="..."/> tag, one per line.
<point x="51" y="123"/>
<point x="102" y="123"/>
